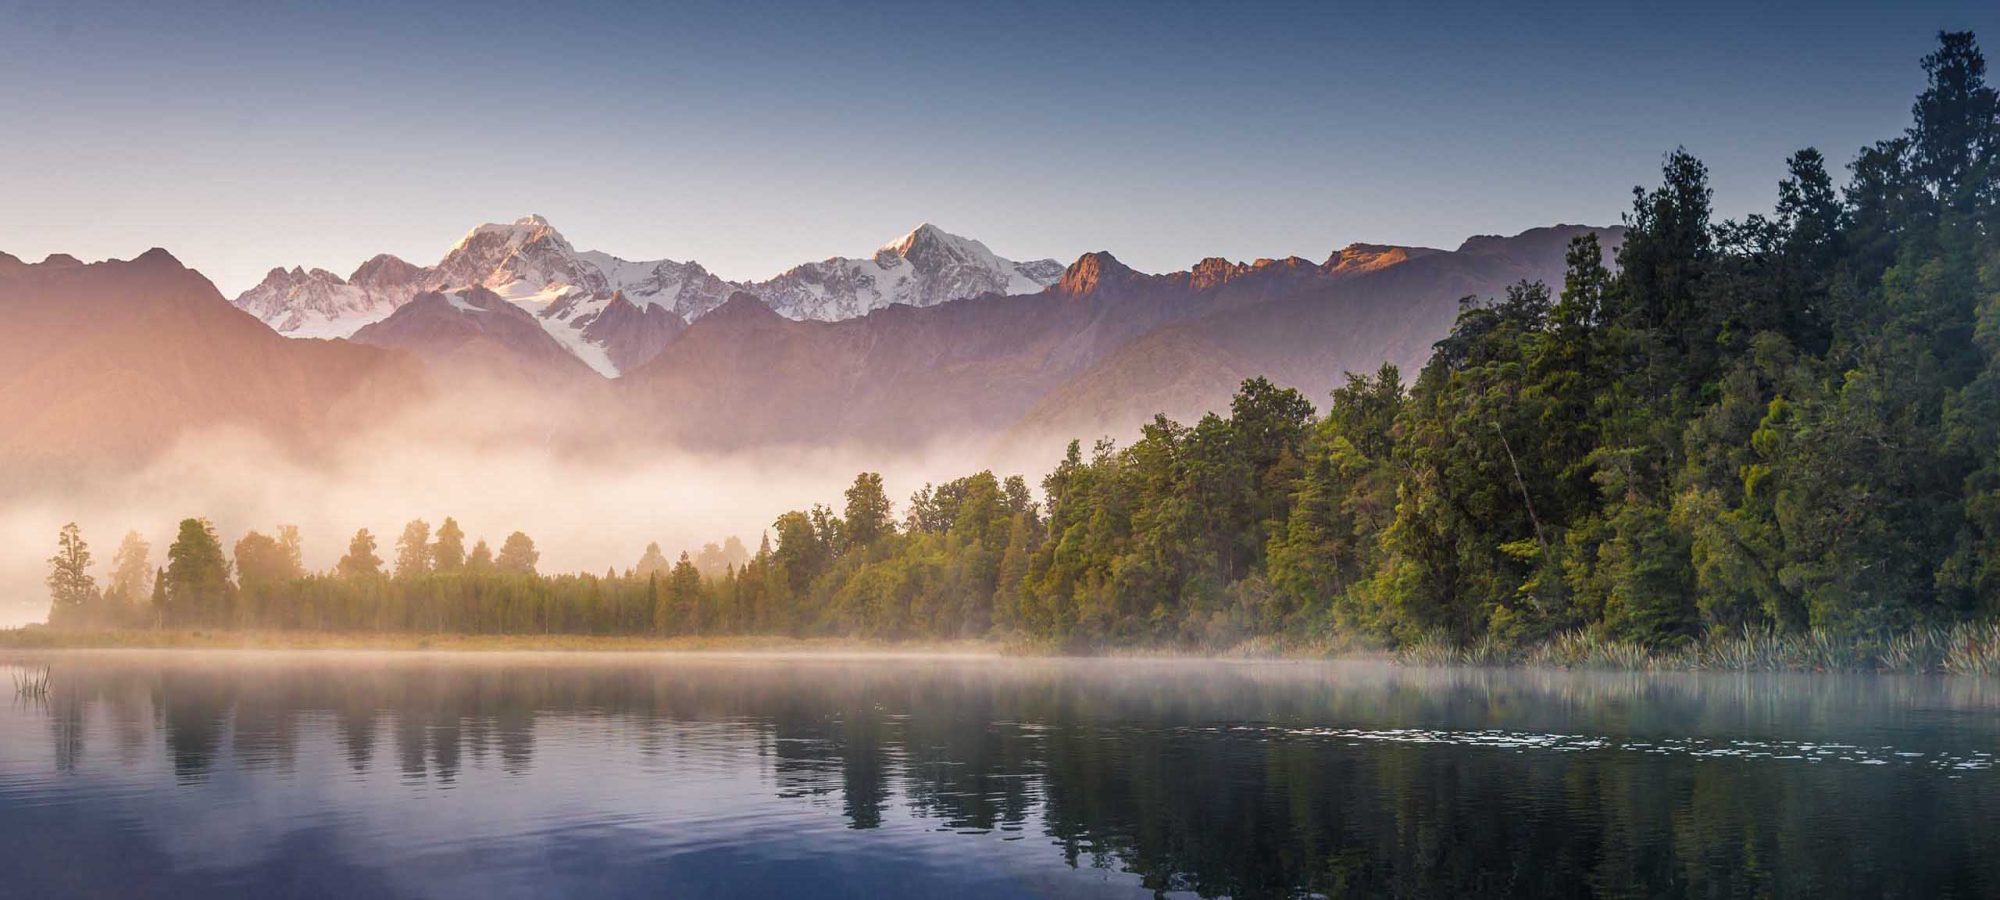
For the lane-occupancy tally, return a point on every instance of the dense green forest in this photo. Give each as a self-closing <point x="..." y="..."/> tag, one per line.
<point x="1788" y="424"/>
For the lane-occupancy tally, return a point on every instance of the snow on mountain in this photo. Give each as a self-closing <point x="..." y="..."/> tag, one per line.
<point x="528" y="251"/>
<point x="613" y="313"/>
<point x="315" y="304"/>
<point x="926" y="267"/>
<point x="685" y="289"/>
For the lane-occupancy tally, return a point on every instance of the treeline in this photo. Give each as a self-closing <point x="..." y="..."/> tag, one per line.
<point x="1783" y="423"/>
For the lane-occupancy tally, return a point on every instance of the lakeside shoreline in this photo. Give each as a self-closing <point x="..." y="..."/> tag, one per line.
<point x="1918" y="653"/>
<point x="42" y="639"/>
<point x="404" y="642"/>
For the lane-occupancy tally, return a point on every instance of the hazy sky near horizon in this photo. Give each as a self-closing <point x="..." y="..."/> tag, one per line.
<point x="752" y="136"/>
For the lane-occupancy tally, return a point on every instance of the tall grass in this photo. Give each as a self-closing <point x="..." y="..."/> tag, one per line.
<point x="1434" y="648"/>
<point x="1964" y="649"/>
<point x="1919" y="651"/>
<point x="31" y="684"/>
<point x="1588" y="648"/>
<point x="1973" y="650"/>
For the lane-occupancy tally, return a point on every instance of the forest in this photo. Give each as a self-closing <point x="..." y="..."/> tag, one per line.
<point x="1785" y="425"/>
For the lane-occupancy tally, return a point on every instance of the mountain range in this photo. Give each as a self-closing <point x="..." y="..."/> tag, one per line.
<point x="114" y="360"/>
<point x="612" y="314"/>
<point x="1098" y="352"/>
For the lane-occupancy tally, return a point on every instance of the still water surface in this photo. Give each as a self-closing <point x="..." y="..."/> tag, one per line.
<point x="200" y="774"/>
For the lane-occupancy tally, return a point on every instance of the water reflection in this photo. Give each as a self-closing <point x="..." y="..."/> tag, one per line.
<point x="385" y="775"/>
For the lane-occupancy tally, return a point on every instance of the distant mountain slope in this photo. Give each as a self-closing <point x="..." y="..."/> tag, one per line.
<point x="904" y="375"/>
<point x="1099" y="351"/>
<point x="1388" y="307"/>
<point x="571" y="292"/>
<point x="108" y="362"/>
<point x="744" y="375"/>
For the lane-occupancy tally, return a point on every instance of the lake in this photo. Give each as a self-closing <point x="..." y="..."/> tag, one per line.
<point x="227" y="774"/>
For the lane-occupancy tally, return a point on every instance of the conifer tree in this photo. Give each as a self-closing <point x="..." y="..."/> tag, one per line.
<point x="653" y="562"/>
<point x="263" y="562"/>
<point x="518" y="555"/>
<point x="360" y="561"/>
<point x="481" y="559"/>
<point x="448" y="553"/>
<point x="131" y="573"/>
<point x="198" y="589"/>
<point x="72" y="589"/>
<point x="293" y="548"/>
<point x="868" y="511"/>
<point x="413" y="550"/>
<point x="156" y="615"/>
<point x="681" y="599"/>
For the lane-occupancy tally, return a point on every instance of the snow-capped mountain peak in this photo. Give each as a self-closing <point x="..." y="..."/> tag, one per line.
<point x="527" y="250"/>
<point x="589" y="300"/>
<point x="925" y="267"/>
<point x="315" y="304"/>
<point x="517" y="232"/>
<point x="923" y="233"/>
<point x="933" y="249"/>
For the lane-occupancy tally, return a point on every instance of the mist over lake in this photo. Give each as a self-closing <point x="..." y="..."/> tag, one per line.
<point x="528" y="775"/>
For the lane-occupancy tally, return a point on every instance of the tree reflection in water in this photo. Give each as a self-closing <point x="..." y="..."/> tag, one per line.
<point x="1237" y="780"/>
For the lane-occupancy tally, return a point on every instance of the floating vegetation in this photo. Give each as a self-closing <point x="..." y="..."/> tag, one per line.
<point x="1700" y="747"/>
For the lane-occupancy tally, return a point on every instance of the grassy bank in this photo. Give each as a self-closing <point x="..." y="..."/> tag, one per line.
<point x="1969" y="649"/>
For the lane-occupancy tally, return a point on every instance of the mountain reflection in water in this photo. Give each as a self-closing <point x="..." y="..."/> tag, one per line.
<point x="218" y="774"/>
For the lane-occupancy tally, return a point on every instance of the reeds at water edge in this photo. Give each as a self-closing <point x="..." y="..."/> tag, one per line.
<point x="32" y="684"/>
<point x="1963" y="649"/>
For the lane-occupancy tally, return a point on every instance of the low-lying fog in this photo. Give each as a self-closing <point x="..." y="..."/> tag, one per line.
<point x="588" y="503"/>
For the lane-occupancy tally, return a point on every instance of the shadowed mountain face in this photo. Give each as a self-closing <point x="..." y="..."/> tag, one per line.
<point x="109" y="362"/>
<point x="475" y="329"/>
<point x="631" y="334"/>
<point x="1099" y="352"/>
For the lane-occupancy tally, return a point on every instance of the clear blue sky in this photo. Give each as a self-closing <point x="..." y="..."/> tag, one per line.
<point x="243" y="135"/>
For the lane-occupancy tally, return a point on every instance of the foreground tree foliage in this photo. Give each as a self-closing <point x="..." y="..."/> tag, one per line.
<point x="1786" y="423"/>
